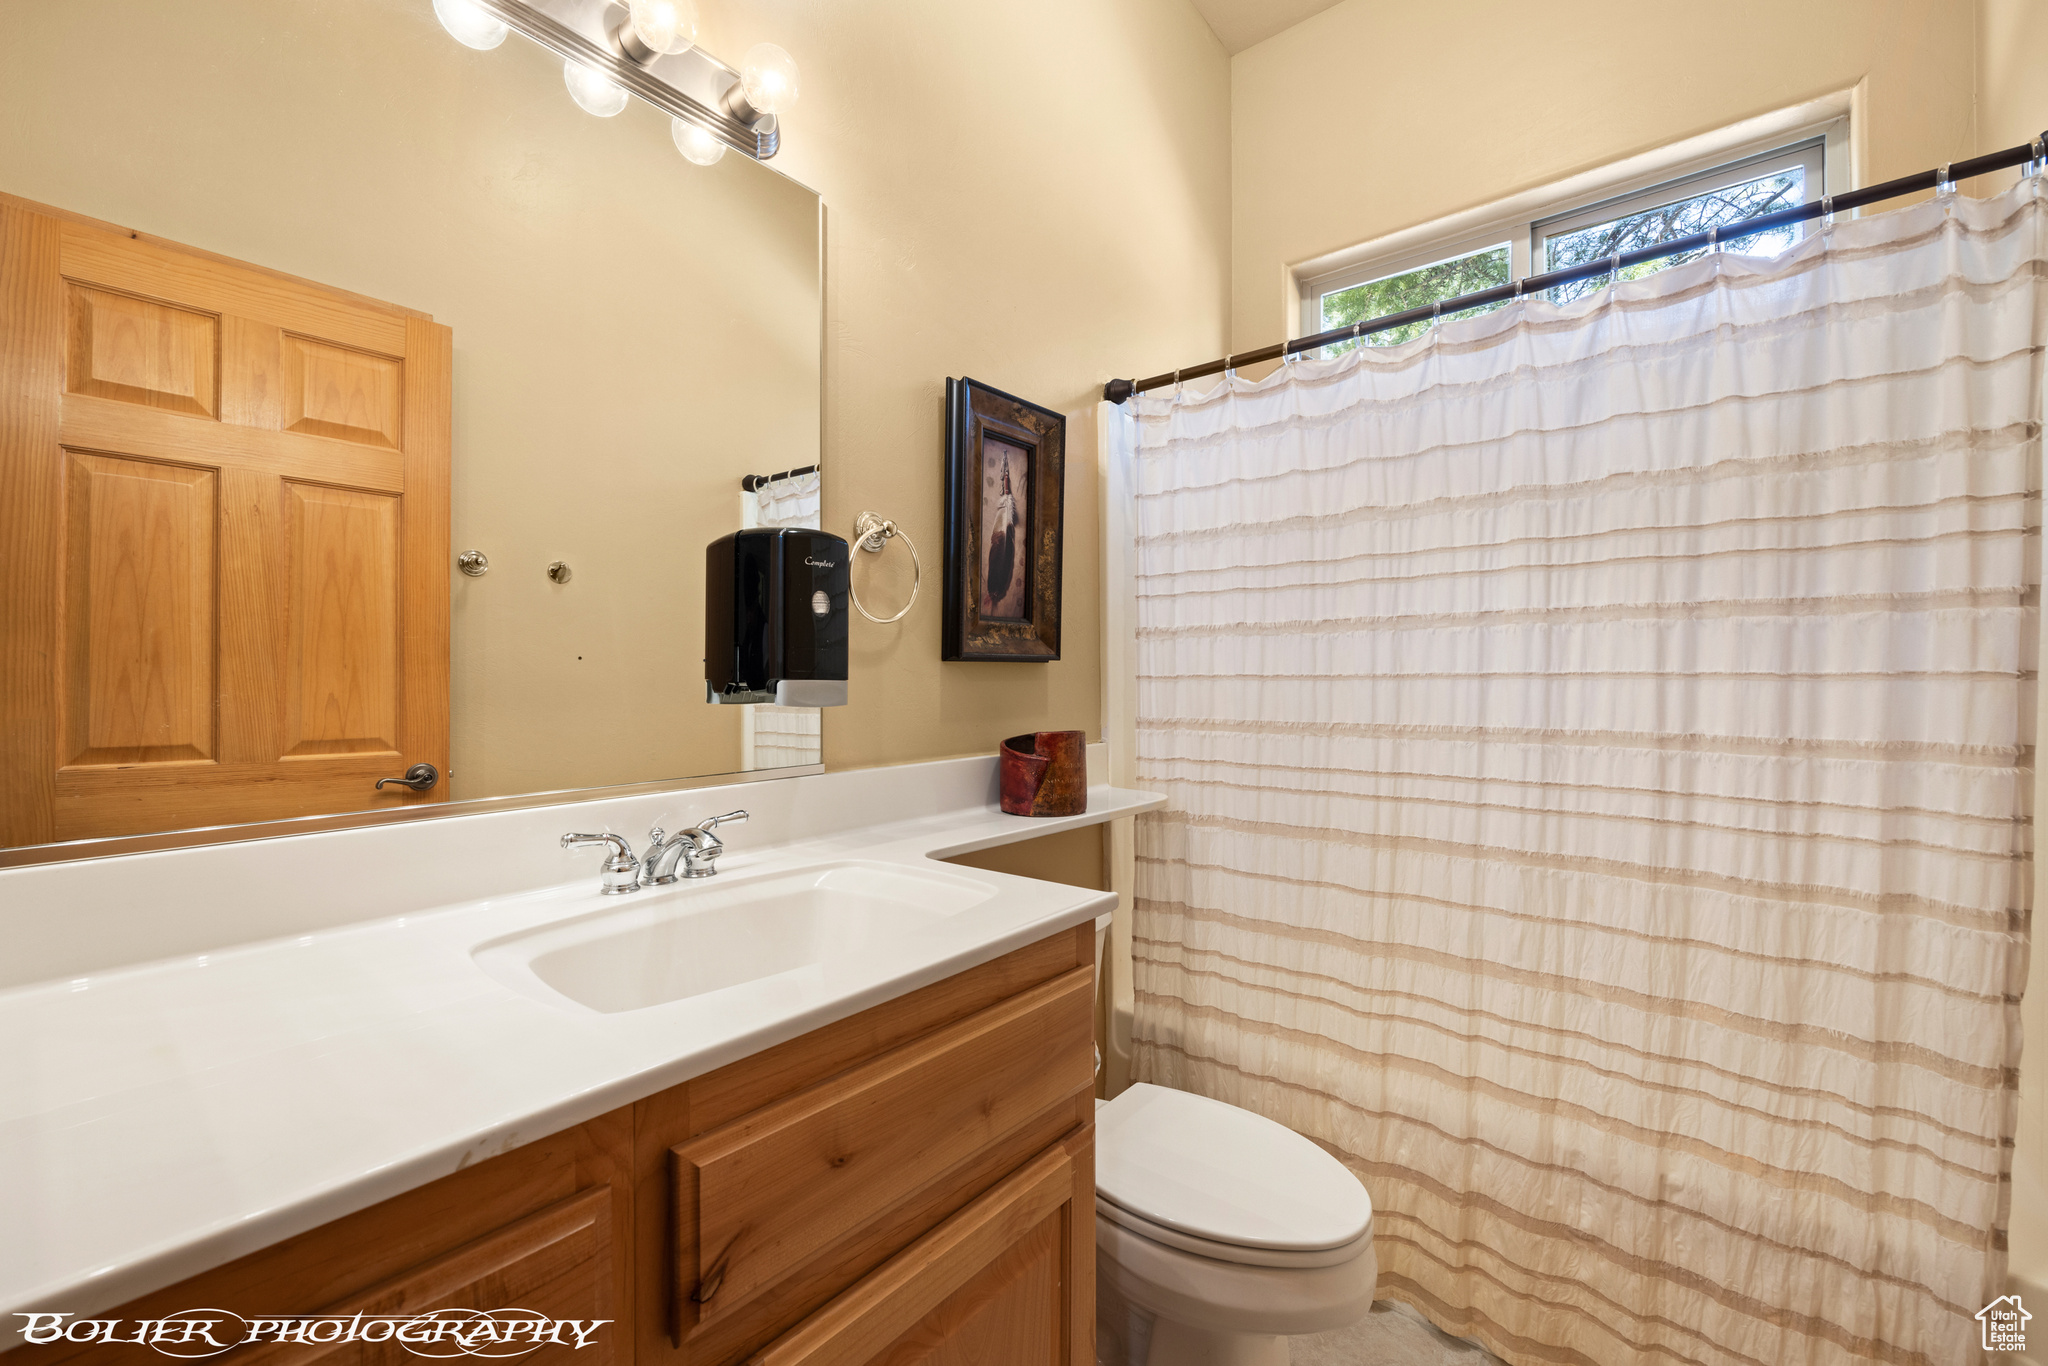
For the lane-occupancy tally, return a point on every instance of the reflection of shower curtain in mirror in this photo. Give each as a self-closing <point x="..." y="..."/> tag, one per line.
<point x="1599" y="744"/>
<point x="782" y="737"/>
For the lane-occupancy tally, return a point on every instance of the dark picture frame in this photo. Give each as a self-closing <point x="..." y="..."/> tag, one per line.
<point x="1005" y="518"/>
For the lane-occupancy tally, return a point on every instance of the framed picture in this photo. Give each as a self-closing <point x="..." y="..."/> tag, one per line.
<point x="1005" y="510"/>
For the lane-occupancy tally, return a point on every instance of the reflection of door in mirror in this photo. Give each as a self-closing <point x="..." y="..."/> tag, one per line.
<point x="224" y="532"/>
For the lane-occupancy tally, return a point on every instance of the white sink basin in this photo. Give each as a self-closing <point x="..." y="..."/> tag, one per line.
<point x="694" y="938"/>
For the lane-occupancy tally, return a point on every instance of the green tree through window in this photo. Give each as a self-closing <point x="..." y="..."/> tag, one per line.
<point x="1415" y="289"/>
<point x="1726" y="207"/>
<point x="1719" y="208"/>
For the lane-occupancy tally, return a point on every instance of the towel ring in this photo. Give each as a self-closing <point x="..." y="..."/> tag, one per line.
<point x="871" y="533"/>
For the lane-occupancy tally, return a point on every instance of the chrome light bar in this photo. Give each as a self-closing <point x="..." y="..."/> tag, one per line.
<point x="693" y="86"/>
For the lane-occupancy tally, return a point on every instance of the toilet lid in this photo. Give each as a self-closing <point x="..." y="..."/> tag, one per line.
<point x="1223" y="1174"/>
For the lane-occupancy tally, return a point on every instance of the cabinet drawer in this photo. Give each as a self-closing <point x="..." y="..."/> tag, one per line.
<point x="768" y="1192"/>
<point x="1008" y="1281"/>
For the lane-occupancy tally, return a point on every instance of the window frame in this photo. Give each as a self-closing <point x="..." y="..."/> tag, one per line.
<point x="1810" y="155"/>
<point x="1822" y="149"/>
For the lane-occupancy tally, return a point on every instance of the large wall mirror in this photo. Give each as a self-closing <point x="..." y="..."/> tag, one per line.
<point x="340" y="232"/>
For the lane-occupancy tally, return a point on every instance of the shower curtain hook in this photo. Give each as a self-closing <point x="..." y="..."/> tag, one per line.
<point x="1714" y="240"/>
<point x="1436" y="313"/>
<point x="1942" y="184"/>
<point x="1827" y="213"/>
<point x="2040" y="154"/>
<point x="1229" y="370"/>
<point x="1614" y="269"/>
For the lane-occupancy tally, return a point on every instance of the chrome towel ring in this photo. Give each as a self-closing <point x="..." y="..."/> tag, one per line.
<point x="871" y="533"/>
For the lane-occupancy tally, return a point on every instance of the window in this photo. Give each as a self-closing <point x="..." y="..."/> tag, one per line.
<point x="1723" y="197"/>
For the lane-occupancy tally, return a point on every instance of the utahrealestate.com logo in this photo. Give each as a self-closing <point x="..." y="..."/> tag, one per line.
<point x="437" y="1333"/>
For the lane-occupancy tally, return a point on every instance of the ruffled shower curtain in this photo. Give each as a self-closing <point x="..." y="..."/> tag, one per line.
<point x="1599" y="744"/>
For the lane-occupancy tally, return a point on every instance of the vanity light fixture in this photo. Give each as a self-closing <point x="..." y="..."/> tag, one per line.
<point x="696" y="144"/>
<point x="469" y="25"/>
<point x="768" y="84"/>
<point x="657" y="28"/>
<point x="592" y="90"/>
<point x="615" y="49"/>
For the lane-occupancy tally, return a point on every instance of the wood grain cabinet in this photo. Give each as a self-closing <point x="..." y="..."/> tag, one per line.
<point x="914" y="1184"/>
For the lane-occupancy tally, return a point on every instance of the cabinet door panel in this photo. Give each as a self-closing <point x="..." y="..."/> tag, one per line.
<point x="1008" y="1281"/>
<point x="545" y="1227"/>
<point x="554" y="1263"/>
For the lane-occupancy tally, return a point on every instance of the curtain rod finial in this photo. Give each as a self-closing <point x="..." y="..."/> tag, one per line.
<point x="1118" y="390"/>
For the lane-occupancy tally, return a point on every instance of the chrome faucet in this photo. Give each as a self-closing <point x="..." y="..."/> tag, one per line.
<point x="697" y="848"/>
<point x="621" y="870"/>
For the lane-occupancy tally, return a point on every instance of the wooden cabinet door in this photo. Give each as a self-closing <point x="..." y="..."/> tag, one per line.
<point x="224" y="536"/>
<point x="543" y="1231"/>
<point x="1008" y="1281"/>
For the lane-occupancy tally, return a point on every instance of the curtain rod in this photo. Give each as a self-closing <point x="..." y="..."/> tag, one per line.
<point x="750" y="482"/>
<point x="1117" y="390"/>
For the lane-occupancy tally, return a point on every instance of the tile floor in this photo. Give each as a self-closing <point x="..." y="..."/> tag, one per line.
<point x="1392" y="1335"/>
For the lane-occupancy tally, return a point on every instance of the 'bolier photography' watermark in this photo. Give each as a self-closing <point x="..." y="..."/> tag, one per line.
<point x="437" y="1333"/>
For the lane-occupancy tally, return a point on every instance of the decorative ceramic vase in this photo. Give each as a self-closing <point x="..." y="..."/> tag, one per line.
<point x="1045" y="774"/>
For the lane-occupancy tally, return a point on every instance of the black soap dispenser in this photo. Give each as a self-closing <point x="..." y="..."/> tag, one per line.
<point x="775" y="622"/>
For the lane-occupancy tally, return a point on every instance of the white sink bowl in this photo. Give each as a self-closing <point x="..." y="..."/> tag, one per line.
<point x="694" y="938"/>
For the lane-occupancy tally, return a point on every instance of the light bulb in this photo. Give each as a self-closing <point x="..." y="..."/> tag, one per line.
<point x="663" y="26"/>
<point x="592" y="89"/>
<point x="769" y="77"/>
<point x="469" y="25"/>
<point x="696" y="143"/>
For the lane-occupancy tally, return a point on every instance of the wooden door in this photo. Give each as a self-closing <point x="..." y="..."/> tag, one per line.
<point x="223" y="535"/>
<point x="1008" y="1281"/>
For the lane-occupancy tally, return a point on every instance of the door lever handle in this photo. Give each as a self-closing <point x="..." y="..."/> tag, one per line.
<point x="419" y="778"/>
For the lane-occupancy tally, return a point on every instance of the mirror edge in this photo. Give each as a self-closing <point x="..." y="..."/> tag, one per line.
<point x="72" y="851"/>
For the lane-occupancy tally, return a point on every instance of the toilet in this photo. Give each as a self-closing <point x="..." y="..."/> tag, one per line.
<point x="1228" y="1231"/>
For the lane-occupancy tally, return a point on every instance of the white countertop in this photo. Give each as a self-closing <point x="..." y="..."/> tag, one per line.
<point x="162" y="1117"/>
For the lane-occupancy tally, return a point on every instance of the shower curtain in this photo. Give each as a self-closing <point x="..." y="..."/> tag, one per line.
<point x="1599" y="744"/>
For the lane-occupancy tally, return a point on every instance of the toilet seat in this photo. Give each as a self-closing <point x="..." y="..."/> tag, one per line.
<point x="1231" y="1252"/>
<point x="1211" y="1179"/>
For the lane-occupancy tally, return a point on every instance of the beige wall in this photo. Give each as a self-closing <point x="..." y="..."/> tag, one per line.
<point x="1035" y="196"/>
<point x="1378" y="114"/>
<point x="2012" y="73"/>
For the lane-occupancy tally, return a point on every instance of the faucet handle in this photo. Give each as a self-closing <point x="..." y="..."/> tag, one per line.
<point x="621" y="870"/>
<point x="729" y="818"/>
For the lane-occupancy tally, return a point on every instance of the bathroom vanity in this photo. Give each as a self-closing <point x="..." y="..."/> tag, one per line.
<point x="833" y="1105"/>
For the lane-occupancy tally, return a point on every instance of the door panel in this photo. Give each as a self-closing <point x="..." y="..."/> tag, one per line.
<point x="225" y="504"/>
<point x="141" y="351"/>
<point x="138" y="611"/>
<point x="342" y="687"/>
<point x="348" y="395"/>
